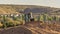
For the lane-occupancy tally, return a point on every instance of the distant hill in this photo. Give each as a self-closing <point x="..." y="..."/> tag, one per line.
<point x="8" y="9"/>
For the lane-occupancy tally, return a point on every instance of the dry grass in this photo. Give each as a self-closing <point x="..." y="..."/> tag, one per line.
<point x="7" y="10"/>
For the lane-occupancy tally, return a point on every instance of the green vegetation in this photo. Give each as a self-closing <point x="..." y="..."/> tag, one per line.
<point x="20" y="20"/>
<point x="9" y="22"/>
<point x="50" y="18"/>
<point x="41" y="18"/>
<point x="46" y="17"/>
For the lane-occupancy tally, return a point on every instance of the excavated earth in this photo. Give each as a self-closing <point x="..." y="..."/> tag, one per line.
<point x="33" y="28"/>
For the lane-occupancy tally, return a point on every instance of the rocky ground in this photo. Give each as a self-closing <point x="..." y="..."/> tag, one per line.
<point x="33" y="28"/>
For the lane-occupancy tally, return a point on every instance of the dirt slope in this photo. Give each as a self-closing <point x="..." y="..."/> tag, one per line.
<point x="33" y="28"/>
<point x="38" y="28"/>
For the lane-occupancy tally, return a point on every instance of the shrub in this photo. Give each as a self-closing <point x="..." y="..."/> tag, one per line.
<point x="54" y="18"/>
<point x="41" y="18"/>
<point x="41" y="22"/>
<point x="22" y="22"/>
<point x="45" y="17"/>
<point x="9" y="22"/>
<point x="1" y="25"/>
<point x="35" y="19"/>
<point x="16" y="23"/>
<point x="50" y="18"/>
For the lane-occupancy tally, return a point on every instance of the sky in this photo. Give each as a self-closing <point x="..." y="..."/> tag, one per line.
<point x="50" y="3"/>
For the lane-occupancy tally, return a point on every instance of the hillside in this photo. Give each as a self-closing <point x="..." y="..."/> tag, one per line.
<point x="7" y="9"/>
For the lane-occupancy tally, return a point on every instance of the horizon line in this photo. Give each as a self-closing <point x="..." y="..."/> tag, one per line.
<point x="31" y="5"/>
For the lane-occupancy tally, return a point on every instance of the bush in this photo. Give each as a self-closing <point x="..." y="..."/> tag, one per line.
<point x="9" y="22"/>
<point x="41" y="18"/>
<point x="16" y="23"/>
<point x="1" y="25"/>
<point x="41" y="22"/>
<point x="22" y="22"/>
<point x="35" y="19"/>
<point x="50" y="18"/>
<point x="45" y="16"/>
